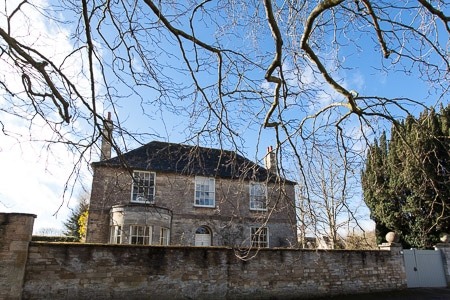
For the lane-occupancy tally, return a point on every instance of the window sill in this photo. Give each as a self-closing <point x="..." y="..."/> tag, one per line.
<point x="204" y="206"/>
<point x="258" y="210"/>
<point x="142" y="202"/>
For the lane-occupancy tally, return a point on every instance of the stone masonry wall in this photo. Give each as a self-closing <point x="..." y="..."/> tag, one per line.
<point x="445" y="251"/>
<point x="42" y="270"/>
<point x="15" y="235"/>
<point x="82" y="271"/>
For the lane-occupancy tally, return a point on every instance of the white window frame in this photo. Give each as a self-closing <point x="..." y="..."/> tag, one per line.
<point x="205" y="192"/>
<point x="257" y="200"/>
<point x="140" y="235"/>
<point x="164" y="236"/>
<point x="259" y="237"/>
<point x="143" y="187"/>
<point x="116" y="234"/>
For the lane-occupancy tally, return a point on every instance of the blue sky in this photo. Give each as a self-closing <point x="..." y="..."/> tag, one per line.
<point x="46" y="173"/>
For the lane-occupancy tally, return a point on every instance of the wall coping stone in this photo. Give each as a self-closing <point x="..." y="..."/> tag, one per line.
<point x="442" y="245"/>
<point x="78" y="244"/>
<point x="18" y="214"/>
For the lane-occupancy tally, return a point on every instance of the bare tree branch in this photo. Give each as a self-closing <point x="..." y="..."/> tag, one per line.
<point x="276" y="62"/>
<point x="437" y="12"/>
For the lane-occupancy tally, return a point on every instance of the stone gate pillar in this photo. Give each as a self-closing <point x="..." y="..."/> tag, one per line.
<point x="444" y="247"/>
<point x="15" y="235"/>
<point x="395" y="248"/>
<point x="392" y="243"/>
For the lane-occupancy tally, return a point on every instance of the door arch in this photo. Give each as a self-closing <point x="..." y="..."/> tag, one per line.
<point x="203" y="236"/>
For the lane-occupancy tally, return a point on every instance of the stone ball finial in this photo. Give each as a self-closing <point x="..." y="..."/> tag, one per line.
<point x="444" y="237"/>
<point x="392" y="237"/>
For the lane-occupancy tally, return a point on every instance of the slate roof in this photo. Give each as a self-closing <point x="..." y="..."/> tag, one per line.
<point x="190" y="160"/>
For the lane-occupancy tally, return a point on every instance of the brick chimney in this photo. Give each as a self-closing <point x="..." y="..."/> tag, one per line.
<point x="270" y="160"/>
<point x="106" y="138"/>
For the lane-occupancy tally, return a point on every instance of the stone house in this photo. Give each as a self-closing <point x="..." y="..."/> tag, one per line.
<point x="172" y="194"/>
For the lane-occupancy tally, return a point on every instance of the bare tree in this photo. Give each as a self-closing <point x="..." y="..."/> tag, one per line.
<point x="227" y="68"/>
<point x="361" y="240"/>
<point x="332" y="209"/>
<point x="48" y="231"/>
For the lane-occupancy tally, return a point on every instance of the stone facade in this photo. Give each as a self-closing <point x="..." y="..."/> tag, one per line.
<point x="229" y="221"/>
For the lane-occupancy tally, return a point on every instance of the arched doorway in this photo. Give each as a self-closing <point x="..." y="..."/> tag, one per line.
<point x="203" y="236"/>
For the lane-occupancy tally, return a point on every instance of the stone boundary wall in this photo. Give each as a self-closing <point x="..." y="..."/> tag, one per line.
<point x="82" y="271"/>
<point x="44" y="270"/>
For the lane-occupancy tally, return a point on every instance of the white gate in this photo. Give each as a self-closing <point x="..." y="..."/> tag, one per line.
<point x="424" y="268"/>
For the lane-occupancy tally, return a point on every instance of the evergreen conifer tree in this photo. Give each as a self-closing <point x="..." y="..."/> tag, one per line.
<point x="75" y="225"/>
<point x="406" y="180"/>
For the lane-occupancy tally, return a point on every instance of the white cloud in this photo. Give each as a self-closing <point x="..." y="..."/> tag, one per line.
<point x="33" y="178"/>
<point x="32" y="185"/>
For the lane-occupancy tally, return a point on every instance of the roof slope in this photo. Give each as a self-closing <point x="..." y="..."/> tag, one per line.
<point x="189" y="160"/>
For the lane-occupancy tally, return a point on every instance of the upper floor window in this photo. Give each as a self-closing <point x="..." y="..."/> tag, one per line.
<point x="143" y="190"/>
<point x="258" y="196"/>
<point x="140" y="235"/>
<point x="259" y="237"/>
<point x="204" y="191"/>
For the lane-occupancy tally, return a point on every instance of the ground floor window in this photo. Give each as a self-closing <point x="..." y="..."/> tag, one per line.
<point x="259" y="237"/>
<point x="116" y="234"/>
<point x="140" y="235"/>
<point x="164" y="236"/>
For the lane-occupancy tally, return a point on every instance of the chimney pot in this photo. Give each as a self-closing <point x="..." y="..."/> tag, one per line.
<point x="271" y="160"/>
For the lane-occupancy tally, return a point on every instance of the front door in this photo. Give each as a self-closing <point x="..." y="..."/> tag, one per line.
<point x="203" y="236"/>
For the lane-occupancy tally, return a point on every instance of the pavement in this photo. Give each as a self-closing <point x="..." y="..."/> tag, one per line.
<point x="407" y="294"/>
